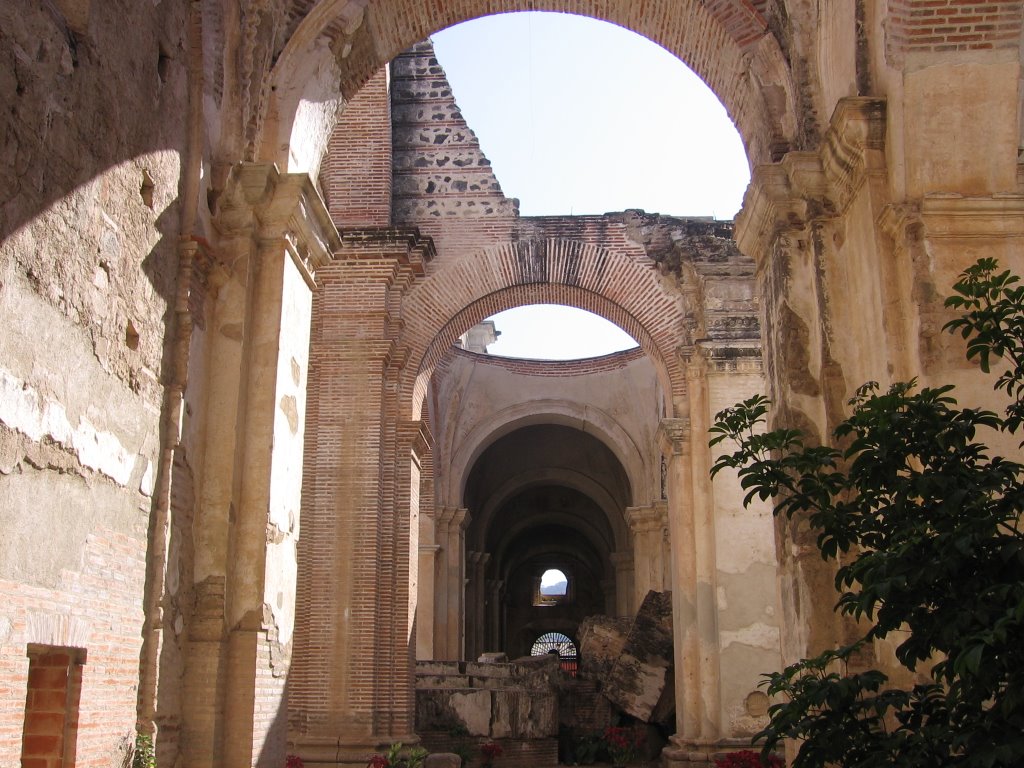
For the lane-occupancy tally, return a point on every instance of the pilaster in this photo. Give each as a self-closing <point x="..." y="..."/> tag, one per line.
<point x="651" y="571"/>
<point x="274" y="234"/>
<point x="674" y="440"/>
<point x="476" y="602"/>
<point x="450" y="594"/>
<point x="624" y="590"/>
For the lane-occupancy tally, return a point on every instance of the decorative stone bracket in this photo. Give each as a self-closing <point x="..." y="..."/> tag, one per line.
<point x="266" y="204"/>
<point x="807" y="185"/>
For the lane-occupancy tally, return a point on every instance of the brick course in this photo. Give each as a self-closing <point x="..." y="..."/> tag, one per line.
<point x="937" y="26"/>
<point x="356" y="173"/>
<point x="97" y="611"/>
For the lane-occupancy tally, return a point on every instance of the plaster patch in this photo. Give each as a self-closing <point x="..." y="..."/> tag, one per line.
<point x="146" y="485"/>
<point x="24" y="409"/>
<point x="289" y="407"/>
<point x="757" y="635"/>
<point x="474" y="710"/>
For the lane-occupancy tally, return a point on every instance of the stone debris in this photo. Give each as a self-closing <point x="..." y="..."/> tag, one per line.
<point x="493" y="700"/>
<point x="601" y="641"/>
<point x="636" y="664"/>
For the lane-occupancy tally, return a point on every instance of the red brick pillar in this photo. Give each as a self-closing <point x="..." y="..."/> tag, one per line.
<point x="351" y="684"/>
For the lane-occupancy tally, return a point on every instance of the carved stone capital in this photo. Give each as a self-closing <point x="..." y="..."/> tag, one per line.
<point x="453" y="517"/>
<point x="478" y="560"/>
<point x="404" y="244"/>
<point x="273" y="208"/>
<point x="673" y="436"/>
<point x="647" y="519"/>
<point x="417" y="435"/>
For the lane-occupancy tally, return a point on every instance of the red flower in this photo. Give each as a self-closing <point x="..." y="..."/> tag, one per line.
<point x="293" y="761"/>
<point x="378" y="761"/>
<point x="491" y="750"/>
<point x="748" y="759"/>
<point x="623" y="744"/>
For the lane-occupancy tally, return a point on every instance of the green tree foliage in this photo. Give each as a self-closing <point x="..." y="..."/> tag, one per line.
<point x="923" y="525"/>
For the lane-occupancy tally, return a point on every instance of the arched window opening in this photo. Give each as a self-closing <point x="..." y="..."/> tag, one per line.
<point x="556" y="642"/>
<point x="551" y="588"/>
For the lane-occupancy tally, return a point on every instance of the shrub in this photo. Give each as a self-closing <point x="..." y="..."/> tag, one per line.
<point x="923" y="526"/>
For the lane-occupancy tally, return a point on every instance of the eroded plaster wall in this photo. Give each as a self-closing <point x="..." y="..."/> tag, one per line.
<point x="91" y="159"/>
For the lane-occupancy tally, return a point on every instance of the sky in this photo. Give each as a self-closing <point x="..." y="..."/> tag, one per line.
<point x="579" y="116"/>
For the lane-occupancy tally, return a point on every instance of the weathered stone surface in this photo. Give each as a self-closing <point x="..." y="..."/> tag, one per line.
<point x="120" y="121"/>
<point x="641" y="673"/>
<point x="601" y="641"/>
<point x="496" y="657"/>
<point x="508" y="701"/>
<point x="442" y="760"/>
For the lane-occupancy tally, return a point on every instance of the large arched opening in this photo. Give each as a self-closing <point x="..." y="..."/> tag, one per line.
<point x="728" y="45"/>
<point x="384" y="310"/>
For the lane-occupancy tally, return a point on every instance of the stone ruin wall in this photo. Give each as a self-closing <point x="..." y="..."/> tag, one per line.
<point x="90" y="159"/>
<point x="96" y="126"/>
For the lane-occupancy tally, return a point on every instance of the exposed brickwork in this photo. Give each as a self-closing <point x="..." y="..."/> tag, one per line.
<point x="51" y="707"/>
<point x="558" y="260"/>
<point x="923" y="26"/>
<point x="356" y="173"/>
<point x="356" y="503"/>
<point x="98" y="612"/>
<point x="551" y="271"/>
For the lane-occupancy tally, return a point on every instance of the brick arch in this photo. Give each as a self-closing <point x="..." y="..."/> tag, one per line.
<point x="726" y="42"/>
<point x="618" y="287"/>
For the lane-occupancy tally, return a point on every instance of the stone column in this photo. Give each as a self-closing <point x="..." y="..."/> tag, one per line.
<point x="649" y="526"/>
<point x="674" y="438"/>
<point x="274" y="233"/>
<point x="476" y="594"/>
<point x="704" y="546"/>
<point x="425" y="608"/>
<point x="624" y="590"/>
<point x="495" y="592"/>
<point x="351" y="688"/>
<point x="449" y="601"/>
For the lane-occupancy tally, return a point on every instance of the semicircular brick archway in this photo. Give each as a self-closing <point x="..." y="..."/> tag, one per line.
<point x="618" y="287"/>
<point x="728" y="43"/>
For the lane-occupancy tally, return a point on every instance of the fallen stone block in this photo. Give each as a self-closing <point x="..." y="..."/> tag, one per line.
<point x="642" y="671"/>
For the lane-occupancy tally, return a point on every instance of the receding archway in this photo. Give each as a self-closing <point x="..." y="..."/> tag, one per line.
<point x="532" y="501"/>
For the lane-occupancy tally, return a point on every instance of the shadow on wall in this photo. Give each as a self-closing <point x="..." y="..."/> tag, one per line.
<point x="84" y="101"/>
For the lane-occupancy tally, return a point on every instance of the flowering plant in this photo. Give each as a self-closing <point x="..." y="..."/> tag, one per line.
<point x="622" y="744"/>
<point x="748" y="759"/>
<point x="489" y="751"/>
<point x="399" y="756"/>
<point x="293" y="761"/>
